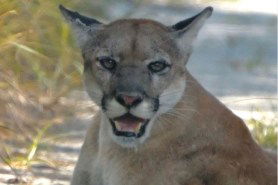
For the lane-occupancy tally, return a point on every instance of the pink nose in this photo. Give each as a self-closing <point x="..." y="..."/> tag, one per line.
<point x="128" y="101"/>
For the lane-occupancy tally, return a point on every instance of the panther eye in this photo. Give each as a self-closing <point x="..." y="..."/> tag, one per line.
<point x="158" y="66"/>
<point x="107" y="62"/>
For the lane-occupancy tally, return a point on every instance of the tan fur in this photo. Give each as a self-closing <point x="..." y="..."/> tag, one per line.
<point x="192" y="139"/>
<point x="207" y="145"/>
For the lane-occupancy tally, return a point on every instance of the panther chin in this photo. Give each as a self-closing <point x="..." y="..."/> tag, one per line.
<point x="129" y="130"/>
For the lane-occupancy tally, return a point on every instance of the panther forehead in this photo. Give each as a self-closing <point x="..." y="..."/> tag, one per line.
<point x="135" y="39"/>
<point x="135" y="23"/>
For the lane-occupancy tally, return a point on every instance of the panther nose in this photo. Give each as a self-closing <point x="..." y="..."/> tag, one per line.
<point x="128" y="101"/>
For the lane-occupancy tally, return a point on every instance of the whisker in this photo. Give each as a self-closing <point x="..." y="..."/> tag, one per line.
<point x="178" y="114"/>
<point x="170" y="93"/>
<point x="184" y="109"/>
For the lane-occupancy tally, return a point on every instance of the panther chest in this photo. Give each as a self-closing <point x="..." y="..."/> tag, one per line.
<point x="148" y="171"/>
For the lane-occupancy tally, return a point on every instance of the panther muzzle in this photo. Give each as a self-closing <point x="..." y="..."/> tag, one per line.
<point x="128" y="125"/>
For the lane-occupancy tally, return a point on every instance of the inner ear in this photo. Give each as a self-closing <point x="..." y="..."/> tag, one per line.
<point x="183" y="24"/>
<point x="186" y="31"/>
<point x="187" y="22"/>
<point x="72" y="16"/>
<point x="82" y="26"/>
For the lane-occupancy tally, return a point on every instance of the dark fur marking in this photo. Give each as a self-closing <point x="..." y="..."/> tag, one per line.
<point x="156" y="104"/>
<point x="75" y="15"/>
<point x="87" y="65"/>
<point x="182" y="24"/>
<point x="103" y="103"/>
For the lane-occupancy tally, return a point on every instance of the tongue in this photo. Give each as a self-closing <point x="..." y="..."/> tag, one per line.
<point x="128" y="127"/>
<point x="128" y="123"/>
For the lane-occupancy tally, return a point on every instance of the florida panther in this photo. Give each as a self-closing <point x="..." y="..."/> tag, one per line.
<point x="156" y="124"/>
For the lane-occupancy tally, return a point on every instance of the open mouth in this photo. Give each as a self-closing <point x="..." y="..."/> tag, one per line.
<point x="128" y="125"/>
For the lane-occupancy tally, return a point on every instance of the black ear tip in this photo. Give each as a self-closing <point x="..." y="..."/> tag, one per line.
<point x="68" y="14"/>
<point x="63" y="9"/>
<point x="208" y="10"/>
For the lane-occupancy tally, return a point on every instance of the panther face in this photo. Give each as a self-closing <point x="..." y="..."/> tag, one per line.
<point x="134" y="69"/>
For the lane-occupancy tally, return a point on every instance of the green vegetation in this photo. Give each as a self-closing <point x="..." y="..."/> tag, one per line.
<point x="39" y="64"/>
<point x="34" y="47"/>
<point x="265" y="134"/>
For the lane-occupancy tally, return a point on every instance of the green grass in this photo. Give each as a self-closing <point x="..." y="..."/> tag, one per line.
<point x="34" y="46"/>
<point x="39" y="64"/>
<point x="265" y="134"/>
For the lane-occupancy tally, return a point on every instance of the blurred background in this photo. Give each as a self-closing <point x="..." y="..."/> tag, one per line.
<point x="44" y="111"/>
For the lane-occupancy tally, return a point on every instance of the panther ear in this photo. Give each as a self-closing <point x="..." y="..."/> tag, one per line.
<point x="187" y="30"/>
<point x="82" y="26"/>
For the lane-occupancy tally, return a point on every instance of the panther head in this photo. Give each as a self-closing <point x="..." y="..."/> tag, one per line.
<point x="134" y="69"/>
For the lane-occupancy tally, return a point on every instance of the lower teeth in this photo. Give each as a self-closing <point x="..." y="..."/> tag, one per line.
<point x="136" y="130"/>
<point x="118" y="127"/>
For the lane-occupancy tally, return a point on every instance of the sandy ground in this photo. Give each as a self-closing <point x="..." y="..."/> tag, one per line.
<point x="235" y="59"/>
